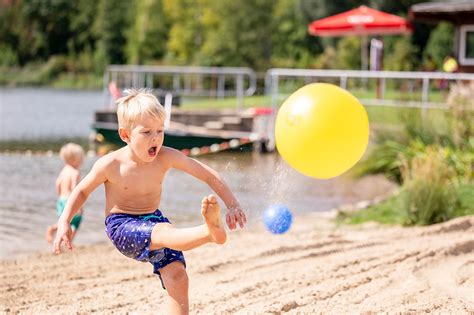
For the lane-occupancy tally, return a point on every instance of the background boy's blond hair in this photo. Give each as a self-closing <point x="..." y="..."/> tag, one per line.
<point x="70" y="152"/>
<point x="135" y="104"/>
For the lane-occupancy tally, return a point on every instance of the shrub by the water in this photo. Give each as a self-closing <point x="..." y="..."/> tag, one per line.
<point x="433" y="161"/>
<point x="428" y="194"/>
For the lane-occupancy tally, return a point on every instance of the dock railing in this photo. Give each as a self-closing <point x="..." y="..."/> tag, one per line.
<point x="386" y="88"/>
<point x="216" y="82"/>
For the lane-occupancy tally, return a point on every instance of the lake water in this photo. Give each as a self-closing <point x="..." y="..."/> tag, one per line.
<point x="27" y="196"/>
<point x="37" y="113"/>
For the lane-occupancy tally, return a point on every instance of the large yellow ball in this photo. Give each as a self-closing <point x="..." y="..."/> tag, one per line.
<point x="322" y="130"/>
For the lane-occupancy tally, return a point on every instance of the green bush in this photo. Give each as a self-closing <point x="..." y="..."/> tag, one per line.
<point x="392" y="211"/>
<point x="461" y="103"/>
<point x="402" y="57"/>
<point x="348" y="53"/>
<point x="440" y="43"/>
<point x="383" y="158"/>
<point x="428" y="193"/>
<point x="433" y="161"/>
<point x="51" y="69"/>
<point x="326" y="60"/>
<point x="452" y="130"/>
<point x="437" y="186"/>
<point x="77" y="81"/>
<point x="8" y="57"/>
<point x="386" y="212"/>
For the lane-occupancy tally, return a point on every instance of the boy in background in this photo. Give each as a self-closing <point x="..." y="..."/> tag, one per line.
<point x="73" y="156"/>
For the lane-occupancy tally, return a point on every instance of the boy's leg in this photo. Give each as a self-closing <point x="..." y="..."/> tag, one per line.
<point x="74" y="231"/>
<point x="75" y="223"/>
<point x="166" y="235"/>
<point x="51" y="233"/>
<point x="175" y="279"/>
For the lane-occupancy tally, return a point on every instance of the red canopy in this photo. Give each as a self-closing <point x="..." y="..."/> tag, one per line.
<point x="360" y="21"/>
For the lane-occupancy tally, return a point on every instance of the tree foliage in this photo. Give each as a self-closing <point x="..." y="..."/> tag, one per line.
<point x="83" y="36"/>
<point x="109" y="29"/>
<point x="288" y="37"/>
<point x="440" y="43"/>
<point x="348" y="53"/>
<point x="148" y="33"/>
<point x="401" y="56"/>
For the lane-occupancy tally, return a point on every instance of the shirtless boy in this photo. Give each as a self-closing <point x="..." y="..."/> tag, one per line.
<point x="73" y="156"/>
<point x="133" y="176"/>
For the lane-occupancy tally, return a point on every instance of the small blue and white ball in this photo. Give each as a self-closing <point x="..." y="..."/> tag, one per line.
<point x="277" y="219"/>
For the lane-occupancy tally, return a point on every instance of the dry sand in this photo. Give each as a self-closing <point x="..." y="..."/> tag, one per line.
<point x="315" y="268"/>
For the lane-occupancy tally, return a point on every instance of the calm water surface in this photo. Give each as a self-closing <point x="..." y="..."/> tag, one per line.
<point x="34" y="113"/>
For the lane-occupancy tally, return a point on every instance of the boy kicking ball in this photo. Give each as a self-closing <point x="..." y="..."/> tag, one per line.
<point x="133" y="176"/>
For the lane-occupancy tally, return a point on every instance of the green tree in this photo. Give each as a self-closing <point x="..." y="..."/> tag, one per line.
<point x="186" y="30"/>
<point x="440" y="43"/>
<point x="348" y="54"/>
<point x="8" y="40"/>
<point x="39" y="29"/>
<point x="393" y="7"/>
<point x="148" y="34"/>
<point x="111" y="23"/>
<point x="289" y="36"/>
<point x="402" y="56"/>
<point x="81" y="25"/>
<point x="8" y="57"/>
<point x="238" y="34"/>
<point x="318" y="9"/>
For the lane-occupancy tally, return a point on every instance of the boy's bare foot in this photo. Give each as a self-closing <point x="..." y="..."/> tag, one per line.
<point x="51" y="233"/>
<point x="211" y="211"/>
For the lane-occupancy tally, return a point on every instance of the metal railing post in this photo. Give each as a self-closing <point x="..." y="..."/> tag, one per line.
<point x="274" y="91"/>
<point x="220" y="86"/>
<point x="240" y="92"/>
<point x="176" y="83"/>
<point x="425" y="90"/>
<point x="343" y="82"/>
<point x="187" y="84"/>
<point x="382" y="92"/>
<point x="105" y="89"/>
<point x="424" y="98"/>
<point x="149" y="80"/>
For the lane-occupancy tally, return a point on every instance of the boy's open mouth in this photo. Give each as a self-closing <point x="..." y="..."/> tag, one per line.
<point x="152" y="151"/>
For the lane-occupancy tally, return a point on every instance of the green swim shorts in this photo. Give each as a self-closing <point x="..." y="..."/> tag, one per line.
<point x="76" y="221"/>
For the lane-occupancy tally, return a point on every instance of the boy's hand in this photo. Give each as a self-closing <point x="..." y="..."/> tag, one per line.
<point x="64" y="234"/>
<point x="235" y="216"/>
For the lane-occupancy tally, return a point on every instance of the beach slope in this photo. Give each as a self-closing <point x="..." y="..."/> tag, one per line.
<point x="316" y="267"/>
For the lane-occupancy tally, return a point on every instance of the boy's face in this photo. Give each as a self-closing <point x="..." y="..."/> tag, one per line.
<point x="146" y="138"/>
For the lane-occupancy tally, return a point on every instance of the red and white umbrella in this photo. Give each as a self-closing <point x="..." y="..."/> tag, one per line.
<point x="362" y="21"/>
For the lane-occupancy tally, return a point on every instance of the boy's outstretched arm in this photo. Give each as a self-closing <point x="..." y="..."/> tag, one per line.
<point x="75" y="201"/>
<point x="234" y="215"/>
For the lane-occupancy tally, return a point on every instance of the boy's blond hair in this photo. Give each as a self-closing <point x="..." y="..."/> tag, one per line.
<point x="70" y="152"/>
<point x="136" y="104"/>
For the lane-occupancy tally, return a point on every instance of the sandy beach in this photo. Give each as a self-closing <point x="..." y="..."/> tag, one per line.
<point x="315" y="268"/>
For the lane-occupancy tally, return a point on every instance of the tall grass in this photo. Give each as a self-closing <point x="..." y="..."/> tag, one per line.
<point x="428" y="193"/>
<point x="433" y="191"/>
<point x="433" y="161"/>
<point x="453" y="130"/>
<point x="461" y="102"/>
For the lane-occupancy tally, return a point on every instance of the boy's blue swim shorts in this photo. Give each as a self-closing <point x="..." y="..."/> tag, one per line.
<point x="131" y="234"/>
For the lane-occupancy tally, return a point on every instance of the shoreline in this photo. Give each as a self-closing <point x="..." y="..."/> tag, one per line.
<point x="341" y="194"/>
<point x="315" y="267"/>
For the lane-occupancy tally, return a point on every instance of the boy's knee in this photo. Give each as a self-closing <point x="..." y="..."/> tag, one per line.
<point x="176" y="275"/>
<point x="180" y="277"/>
